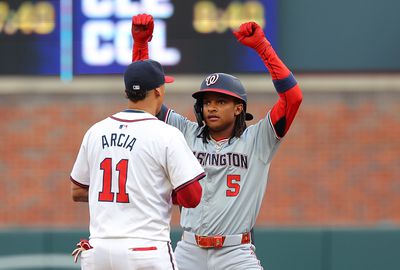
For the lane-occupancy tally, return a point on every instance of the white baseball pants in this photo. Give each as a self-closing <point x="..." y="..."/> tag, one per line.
<point x="132" y="254"/>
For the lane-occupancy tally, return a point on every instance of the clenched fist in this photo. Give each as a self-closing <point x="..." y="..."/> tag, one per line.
<point x="142" y="28"/>
<point x="251" y="34"/>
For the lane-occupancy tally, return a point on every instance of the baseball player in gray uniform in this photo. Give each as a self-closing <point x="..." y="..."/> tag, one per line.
<point x="236" y="159"/>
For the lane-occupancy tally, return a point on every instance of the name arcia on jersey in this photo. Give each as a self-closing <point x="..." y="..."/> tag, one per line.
<point x="118" y="139"/>
<point x="227" y="159"/>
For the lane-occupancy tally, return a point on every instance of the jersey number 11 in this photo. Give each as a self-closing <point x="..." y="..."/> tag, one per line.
<point x="106" y="195"/>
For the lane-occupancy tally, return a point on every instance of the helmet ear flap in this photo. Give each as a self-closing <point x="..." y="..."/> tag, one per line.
<point x="198" y="112"/>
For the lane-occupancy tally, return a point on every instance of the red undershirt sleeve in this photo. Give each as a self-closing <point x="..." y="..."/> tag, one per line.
<point x="290" y="95"/>
<point x="188" y="196"/>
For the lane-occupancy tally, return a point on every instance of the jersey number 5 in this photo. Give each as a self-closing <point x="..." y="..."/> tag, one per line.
<point x="106" y="195"/>
<point x="233" y="185"/>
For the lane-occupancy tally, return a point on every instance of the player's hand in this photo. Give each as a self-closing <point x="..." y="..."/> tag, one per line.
<point x="142" y="28"/>
<point x="80" y="247"/>
<point x="251" y="34"/>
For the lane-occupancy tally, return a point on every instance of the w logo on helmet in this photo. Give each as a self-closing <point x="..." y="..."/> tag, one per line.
<point x="213" y="78"/>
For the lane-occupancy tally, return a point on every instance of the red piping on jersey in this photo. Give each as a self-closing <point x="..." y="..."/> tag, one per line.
<point x="167" y="115"/>
<point x="189" y="194"/>
<point x="272" y="126"/>
<point x="77" y="183"/>
<point x="197" y="178"/>
<point x="131" y="121"/>
<point x="220" y="139"/>
<point x="143" y="248"/>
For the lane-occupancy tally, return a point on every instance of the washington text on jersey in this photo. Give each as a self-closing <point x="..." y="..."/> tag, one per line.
<point x="228" y="159"/>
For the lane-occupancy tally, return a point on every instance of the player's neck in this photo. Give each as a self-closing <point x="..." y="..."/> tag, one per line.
<point x="221" y="135"/>
<point x="143" y="105"/>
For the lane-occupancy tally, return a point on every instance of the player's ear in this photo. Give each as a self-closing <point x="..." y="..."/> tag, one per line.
<point x="159" y="91"/>
<point x="238" y="108"/>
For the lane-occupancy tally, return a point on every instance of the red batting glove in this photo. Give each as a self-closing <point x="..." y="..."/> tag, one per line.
<point x="251" y="34"/>
<point x="80" y="247"/>
<point x="142" y="28"/>
<point x="142" y="33"/>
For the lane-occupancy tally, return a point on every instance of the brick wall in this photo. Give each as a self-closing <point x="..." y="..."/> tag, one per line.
<point x="339" y="164"/>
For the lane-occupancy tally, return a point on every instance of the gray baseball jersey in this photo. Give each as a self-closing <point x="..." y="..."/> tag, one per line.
<point x="236" y="176"/>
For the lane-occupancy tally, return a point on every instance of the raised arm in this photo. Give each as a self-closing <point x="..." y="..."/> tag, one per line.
<point x="142" y="33"/>
<point x="283" y="112"/>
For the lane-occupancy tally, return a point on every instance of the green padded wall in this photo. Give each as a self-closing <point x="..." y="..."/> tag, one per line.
<point x="283" y="249"/>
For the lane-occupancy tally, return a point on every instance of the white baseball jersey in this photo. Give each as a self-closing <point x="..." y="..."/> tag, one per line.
<point x="236" y="179"/>
<point x="131" y="162"/>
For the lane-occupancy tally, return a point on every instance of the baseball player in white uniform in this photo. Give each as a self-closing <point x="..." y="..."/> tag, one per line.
<point x="130" y="168"/>
<point x="236" y="158"/>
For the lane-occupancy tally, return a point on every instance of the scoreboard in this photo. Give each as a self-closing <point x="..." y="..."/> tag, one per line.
<point x="76" y="37"/>
<point x="29" y="37"/>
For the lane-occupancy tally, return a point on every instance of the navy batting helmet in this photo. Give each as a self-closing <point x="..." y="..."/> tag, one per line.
<point x="224" y="84"/>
